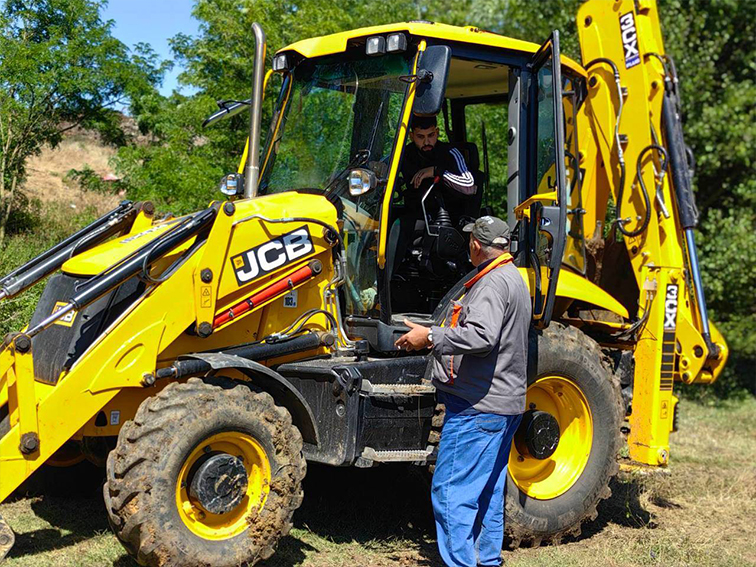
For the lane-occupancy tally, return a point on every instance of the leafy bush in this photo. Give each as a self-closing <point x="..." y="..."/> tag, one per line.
<point x="89" y="180"/>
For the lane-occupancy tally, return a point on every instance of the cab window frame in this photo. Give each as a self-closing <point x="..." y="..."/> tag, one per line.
<point x="517" y="63"/>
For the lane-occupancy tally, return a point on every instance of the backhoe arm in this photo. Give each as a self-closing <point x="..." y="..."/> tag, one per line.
<point x="630" y="126"/>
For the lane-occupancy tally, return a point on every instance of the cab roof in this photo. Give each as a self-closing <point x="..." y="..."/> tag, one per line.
<point x="337" y="42"/>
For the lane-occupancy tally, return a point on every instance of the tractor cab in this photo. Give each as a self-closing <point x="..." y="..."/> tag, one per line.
<point x="340" y="129"/>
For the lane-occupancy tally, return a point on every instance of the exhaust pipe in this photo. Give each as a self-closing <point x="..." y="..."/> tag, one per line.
<point x="252" y="168"/>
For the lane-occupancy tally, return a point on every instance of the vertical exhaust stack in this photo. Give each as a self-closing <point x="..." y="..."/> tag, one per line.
<point x="252" y="168"/>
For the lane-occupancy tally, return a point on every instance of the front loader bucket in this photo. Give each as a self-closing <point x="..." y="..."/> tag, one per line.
<point x="7" y="538"/>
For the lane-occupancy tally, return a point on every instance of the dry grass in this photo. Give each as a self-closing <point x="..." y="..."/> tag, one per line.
<point x="703" y="514"/>
<point x="47" y="182"/>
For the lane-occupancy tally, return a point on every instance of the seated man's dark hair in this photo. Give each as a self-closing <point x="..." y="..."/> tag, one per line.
<point x="422" y="122"/>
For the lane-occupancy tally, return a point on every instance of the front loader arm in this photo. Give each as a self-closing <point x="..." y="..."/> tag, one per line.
<point x="44" y="416"/>
<point x="637" y="164"/>
<point x="220" y="272"/>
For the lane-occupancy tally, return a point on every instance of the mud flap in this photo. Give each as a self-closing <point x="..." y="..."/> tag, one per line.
<point x="7" y="538"/>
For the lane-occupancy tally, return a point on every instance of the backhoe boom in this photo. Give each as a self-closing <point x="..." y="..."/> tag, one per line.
<point x="630" y="125"/>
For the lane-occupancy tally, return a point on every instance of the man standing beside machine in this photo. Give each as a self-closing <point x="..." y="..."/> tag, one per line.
<point x="480" y="373"/>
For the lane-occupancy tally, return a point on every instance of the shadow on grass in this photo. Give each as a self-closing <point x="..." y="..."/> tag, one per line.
<point x="386" y="506"/>
<point x="622" y="508"/>
<point x="70" y="499"/>
<point x="75" y="520"/>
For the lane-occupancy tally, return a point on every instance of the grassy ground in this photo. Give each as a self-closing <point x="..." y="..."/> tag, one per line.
<point x="703" y="513"/>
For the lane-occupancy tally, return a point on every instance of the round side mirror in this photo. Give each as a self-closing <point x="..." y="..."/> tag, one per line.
<point x="361" y="181"/>
<point x="232" y="184"/>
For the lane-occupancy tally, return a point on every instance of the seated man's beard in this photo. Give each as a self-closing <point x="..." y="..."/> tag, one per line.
<point x="427" y="148"/>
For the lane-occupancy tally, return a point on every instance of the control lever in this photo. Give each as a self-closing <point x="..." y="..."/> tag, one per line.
<point x="422" y="204"/>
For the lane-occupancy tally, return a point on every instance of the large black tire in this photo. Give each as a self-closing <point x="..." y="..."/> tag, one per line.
<point x="143" y="470"/>
<point x="566" y="352"/>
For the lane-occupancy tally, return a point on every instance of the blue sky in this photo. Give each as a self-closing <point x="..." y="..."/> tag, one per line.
<point x="153" y="22"/>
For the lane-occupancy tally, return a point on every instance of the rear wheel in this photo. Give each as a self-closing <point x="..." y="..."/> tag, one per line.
<point x="206" y="474"/>
<point x="565" y="452"/>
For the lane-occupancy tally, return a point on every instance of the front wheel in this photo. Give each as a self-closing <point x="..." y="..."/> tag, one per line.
<point x="565" y="452"/>
<point x="206" y="474"/>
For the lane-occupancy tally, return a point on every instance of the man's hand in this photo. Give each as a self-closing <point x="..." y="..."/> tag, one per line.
<point x="422" y="174"/>
<point x="416" y="339"/>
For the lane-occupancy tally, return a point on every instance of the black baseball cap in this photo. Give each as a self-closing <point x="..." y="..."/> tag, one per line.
<point x="488" y="230"/>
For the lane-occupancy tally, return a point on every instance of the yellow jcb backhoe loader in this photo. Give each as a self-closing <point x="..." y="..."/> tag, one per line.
<point x="206" y="358"/>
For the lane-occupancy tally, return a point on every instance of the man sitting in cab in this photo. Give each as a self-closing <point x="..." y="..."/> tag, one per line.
<point x="426" y="161"/>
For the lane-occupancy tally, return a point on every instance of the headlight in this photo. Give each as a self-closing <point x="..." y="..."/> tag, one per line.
<point x="396" y="42"/>
<point x="361" y="181"/>
<point x="232" y="184"/>
<point x="280" y="63"/>
<point x="376" y="45"/>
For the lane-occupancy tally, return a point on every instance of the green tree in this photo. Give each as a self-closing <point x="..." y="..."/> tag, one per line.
<point x="59" y="67"/>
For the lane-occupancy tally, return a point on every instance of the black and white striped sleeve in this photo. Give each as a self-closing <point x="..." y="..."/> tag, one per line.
<point x="457" y="176"/>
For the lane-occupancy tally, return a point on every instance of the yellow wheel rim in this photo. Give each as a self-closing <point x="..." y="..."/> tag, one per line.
<point x="256" y="463"/>
<point x="555" y="475"/>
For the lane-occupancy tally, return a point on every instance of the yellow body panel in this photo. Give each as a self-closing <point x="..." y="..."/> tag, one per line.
<point x="93" y="261"/>
<point x="572" y="286"/>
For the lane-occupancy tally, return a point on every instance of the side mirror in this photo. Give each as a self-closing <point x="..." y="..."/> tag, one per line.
<point x="432" y="73"/>
<point x="361" y="181"/>
<point x="232" y="184"/>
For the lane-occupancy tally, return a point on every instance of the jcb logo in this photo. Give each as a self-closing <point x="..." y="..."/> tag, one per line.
<point x="68" y="319"/>
<point x="272" y="255"/>
<point x="629" y="40"/>
<point x="670" y="307"/>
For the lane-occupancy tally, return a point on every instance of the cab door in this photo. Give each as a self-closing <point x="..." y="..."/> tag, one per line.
<point x="543" y="211"/>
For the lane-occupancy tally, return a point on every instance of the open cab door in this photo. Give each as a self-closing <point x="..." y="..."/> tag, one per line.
<point x="543" y="213"/>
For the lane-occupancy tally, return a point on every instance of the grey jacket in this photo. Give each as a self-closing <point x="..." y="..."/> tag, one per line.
<point x="483" y="358"/>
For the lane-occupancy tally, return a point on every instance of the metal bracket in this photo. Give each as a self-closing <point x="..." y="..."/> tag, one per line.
<point x="26" y="397"/>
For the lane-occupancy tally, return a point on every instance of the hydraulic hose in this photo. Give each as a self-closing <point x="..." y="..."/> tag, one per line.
<point x="617" y="141"/>
<point x="254" y="352"/>
<point x="644" y="191"/>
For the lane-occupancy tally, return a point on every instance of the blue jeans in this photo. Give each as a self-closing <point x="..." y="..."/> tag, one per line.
<point x="469" y="484"/>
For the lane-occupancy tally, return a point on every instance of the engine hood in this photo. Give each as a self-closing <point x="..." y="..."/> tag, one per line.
<point x="275" y="206"/>
<point x="99" y="258"/>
